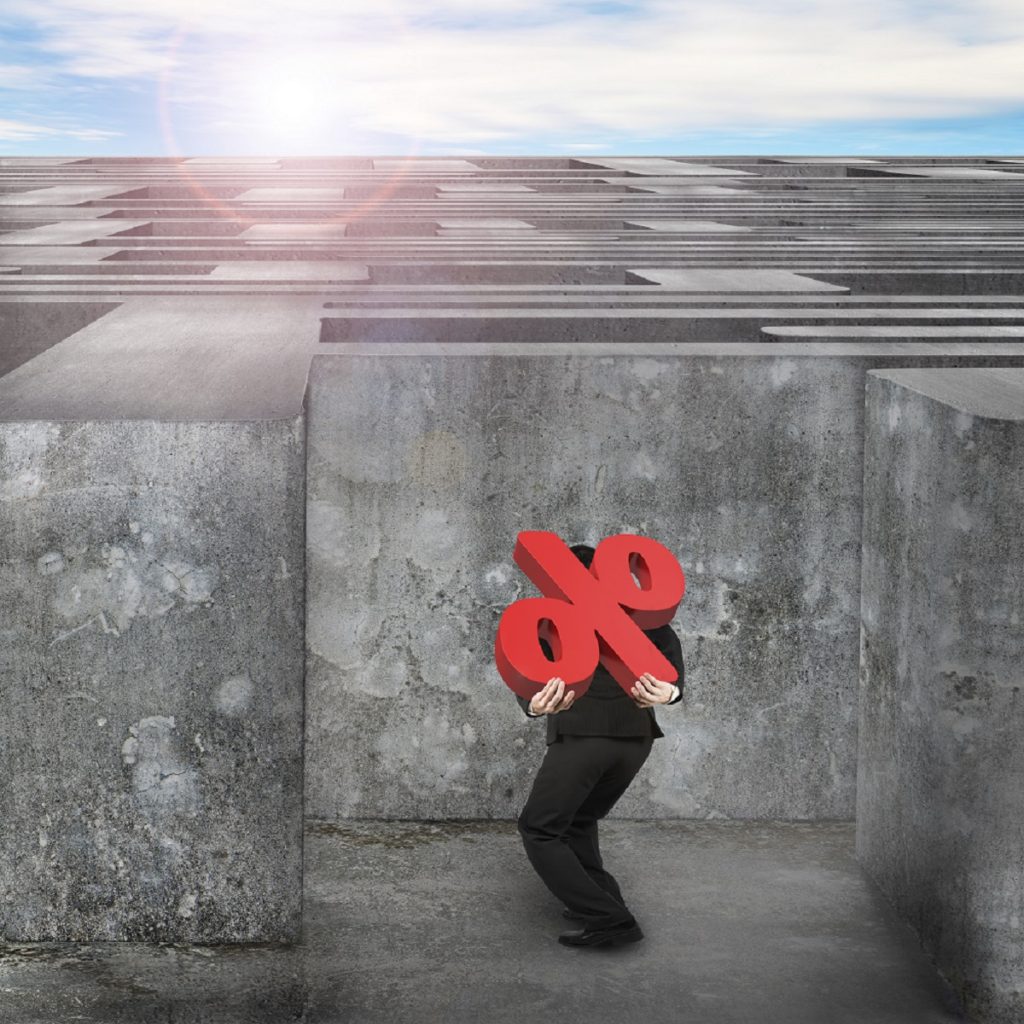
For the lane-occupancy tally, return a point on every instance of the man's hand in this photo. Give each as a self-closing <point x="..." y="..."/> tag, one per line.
<point x="553" y="698"/>
<point x="647" y="691"/>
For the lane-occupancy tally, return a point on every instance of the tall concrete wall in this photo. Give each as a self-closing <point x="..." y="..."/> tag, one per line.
<point x="151" y="619"/>
<point x="940" y="800"/>
<point x="160" y="317"/>
<point x="422" y="470"/>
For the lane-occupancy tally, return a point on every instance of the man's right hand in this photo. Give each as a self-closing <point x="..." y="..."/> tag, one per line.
<point x="553" y="698"/>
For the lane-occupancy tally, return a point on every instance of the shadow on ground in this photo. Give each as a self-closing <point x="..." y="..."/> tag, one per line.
<point x="446" y="922"/>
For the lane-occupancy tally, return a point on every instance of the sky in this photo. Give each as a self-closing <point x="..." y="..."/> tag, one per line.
<point x="526" y="77"/>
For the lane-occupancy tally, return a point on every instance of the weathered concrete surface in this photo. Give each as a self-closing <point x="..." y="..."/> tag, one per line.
<point x="446" y="921"/>
<point x="151" y="617"/>
<point x="226" y="358"/>
<point x="940" y="802"/>
<point x="28" y="329"/>
<point x="227" y="272"/>
<point x="421" y="472"/>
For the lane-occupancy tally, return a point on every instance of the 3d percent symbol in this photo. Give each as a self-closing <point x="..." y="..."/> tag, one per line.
<point x="587" y="615"/>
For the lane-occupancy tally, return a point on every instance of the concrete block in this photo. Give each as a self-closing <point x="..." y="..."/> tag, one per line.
<point x="291" y="195"/>
<point x="423" y="469"/>
<point x="487" y="224"/>
<point x="289" y="270"/>
<point x="73" y="232"/>
<point x="456" y="189"/>
<point x="257" y="161"/>
<point x="745" y="281"/>
<point x="153" y="358"/>
<point x="29" y="329"/>
<point x="940" y="801"/>
<point x="60" y="195"/>
<point x="294" y="232"/>
<point x="708" y="227"/>
<point x="151" y="619"/>
<point x="686" y="191"/>
<point x="660" y="167"/>
<point x="441" y="166"/>
<point x="944" y="171"/>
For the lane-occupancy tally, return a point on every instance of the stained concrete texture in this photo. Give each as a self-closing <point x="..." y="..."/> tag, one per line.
<point x="840" y="266"/>
<point x="151" y="652"/>
<point x="940" y="805"/>
<point x="423" y="469"/>
<point x="446" y="923"/>
<point x="95" y="228"/>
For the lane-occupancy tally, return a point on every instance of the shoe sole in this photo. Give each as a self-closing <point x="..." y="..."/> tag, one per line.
<point x="633" y="934"/>
<point x="571" y="916"/>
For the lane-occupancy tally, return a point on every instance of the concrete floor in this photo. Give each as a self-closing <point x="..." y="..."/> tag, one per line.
<point x="745" y="923"/>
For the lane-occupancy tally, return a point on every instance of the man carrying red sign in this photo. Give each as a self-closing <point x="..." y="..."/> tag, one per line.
<point x="598" y="740"/>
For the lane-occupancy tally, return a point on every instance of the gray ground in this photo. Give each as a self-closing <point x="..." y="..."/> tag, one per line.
<point x="745" y="923"/>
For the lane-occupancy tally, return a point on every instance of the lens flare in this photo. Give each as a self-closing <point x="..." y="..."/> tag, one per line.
<point x="290" y="97"/>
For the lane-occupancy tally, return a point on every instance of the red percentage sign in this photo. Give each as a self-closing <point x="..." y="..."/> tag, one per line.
<point x="586" y="615"/>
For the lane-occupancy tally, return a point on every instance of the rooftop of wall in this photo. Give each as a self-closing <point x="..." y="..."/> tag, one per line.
<point x="986" y="392"/>
<point x="199" y="288"/>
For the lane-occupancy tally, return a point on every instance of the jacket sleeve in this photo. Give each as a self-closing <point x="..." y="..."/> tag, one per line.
<point x="525" y="704"/>
<point x="668" y="643"/>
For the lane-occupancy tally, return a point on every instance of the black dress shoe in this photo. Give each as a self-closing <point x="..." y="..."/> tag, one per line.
<point x="615" y="936"/>
<point x="572" y="915"/>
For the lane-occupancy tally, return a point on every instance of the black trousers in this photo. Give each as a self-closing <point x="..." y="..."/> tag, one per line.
<point x="578" y="782"/>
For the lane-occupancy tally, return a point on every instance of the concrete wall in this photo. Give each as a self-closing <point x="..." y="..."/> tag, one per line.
<point x="151" y="621"/>
<point x="940" y="788"/>
<point x="422" y="469"/>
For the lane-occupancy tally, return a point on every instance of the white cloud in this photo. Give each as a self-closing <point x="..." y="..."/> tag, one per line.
<point x="18" y="76"/>
<point x="88" y="134"/>
<point x="445" y="72"/>
<point x="20" y="131"/>
<point x="24" y="131"/>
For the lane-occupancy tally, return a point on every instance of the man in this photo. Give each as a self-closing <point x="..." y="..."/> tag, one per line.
<point x="595" y="746"/>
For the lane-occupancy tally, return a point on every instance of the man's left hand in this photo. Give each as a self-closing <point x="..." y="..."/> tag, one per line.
<point x="647" y="691"/>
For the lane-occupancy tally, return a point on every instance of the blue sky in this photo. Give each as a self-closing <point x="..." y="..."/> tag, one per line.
<point x="195" y="77"/>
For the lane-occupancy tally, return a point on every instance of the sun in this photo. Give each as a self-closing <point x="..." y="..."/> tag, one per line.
<point x="291" y="98"/>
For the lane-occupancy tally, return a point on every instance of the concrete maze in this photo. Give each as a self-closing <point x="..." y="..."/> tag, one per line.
<point x="268" y="430"/>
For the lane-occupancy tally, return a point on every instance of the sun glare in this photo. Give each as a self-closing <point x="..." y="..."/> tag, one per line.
<point x="290" y="99"/>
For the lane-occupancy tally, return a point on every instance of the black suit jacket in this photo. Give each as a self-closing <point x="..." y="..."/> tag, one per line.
<point x="606" y="709"/>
